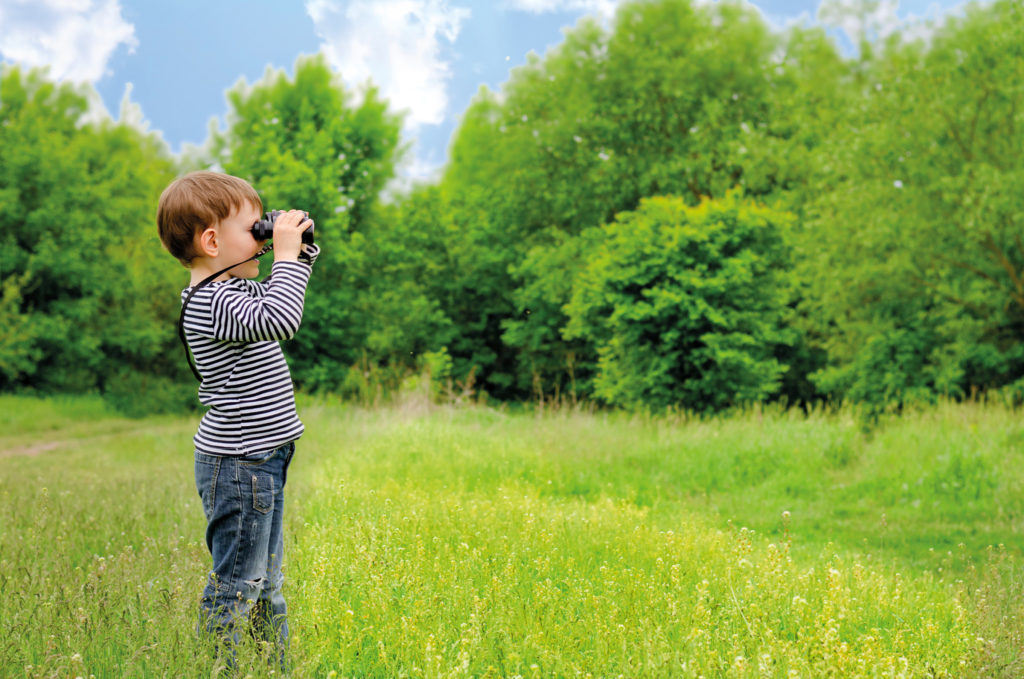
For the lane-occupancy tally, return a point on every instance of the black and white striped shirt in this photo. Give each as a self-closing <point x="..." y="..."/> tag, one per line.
<point x="234" y="328"/>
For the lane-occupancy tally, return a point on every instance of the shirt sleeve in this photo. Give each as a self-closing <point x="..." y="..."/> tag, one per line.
<point x="309" y="253"/>
<point x="240" y="316"/>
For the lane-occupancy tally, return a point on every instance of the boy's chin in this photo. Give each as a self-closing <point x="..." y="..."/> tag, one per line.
<point x="245" y="272"/>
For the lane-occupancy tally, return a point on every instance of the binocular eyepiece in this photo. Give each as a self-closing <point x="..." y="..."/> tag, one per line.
<point x="264" y="228"/>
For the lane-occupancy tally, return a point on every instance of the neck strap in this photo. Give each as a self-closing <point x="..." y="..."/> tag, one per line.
<point x="188" y="298"/>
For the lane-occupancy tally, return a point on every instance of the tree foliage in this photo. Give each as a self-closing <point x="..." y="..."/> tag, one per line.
<point x="305" y="143"/>
<point x="676" y="99"/>
<point x="84" y="303"/>
<point x="916" y="219"/>
<point x="686" y="305"/>
<point x="600" y="230"/>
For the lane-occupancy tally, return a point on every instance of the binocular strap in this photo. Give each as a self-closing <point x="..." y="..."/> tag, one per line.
<point x="184" y="305"/>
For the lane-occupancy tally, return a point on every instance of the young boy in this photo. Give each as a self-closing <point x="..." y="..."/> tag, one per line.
<point x="247" y="437"/>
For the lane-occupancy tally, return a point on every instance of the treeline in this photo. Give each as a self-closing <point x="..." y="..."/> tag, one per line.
<point x="687" y="209"/>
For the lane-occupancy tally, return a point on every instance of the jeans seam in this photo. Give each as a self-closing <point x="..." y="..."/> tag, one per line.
<point x="213" y="486"/>
<point x="238" y="532"/>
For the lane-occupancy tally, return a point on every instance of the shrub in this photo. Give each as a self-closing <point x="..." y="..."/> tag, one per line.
<point x="685" y="304"/>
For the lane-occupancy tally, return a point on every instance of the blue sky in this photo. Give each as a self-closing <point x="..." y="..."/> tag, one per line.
<point x="174" y="60"/>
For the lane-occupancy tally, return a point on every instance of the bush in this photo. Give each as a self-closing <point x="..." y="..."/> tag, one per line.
<point x="686" y="304"/>
<point x="140" y="394"/>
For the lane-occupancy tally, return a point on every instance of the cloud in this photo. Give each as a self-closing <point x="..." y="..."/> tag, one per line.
<point x="876" y="20"/>
<point x="398" y="44"/>
<point x="75" y="38"/>
<point x="604" y="8"/>
<point x="859" y="20"/>
<point x="417" y="167"/>
<point x="131" y="112"/>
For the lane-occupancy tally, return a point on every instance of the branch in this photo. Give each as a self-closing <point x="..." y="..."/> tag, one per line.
<point x="969" y="306"/>
<point x="973" y="269"/>
<point x="1020" y="244"/>
<point x="956" y="136"/>
<point x="977" y="113"/>
<point x="1004" y="261"/>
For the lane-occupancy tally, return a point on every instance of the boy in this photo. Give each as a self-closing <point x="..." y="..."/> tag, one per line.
<point x="246" y="439"/>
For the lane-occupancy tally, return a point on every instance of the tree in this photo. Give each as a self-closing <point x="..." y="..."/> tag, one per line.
<point x="914" y="253"/>
<point x="303" y="142"/>
<point x="87" y="293"/>
<point x="679" y="99"/>
<point x="686" y="305"/>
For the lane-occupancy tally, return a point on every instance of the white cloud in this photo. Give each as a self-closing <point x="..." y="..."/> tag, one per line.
<point x="869" y="20"/>
<point x="876" y="20"/>
<point x="603" y="8"/>
<point x="413" y="169"/>
<point x="75" y="38"/>
<point x="397" y="44"/>
<point x="131" y="113"/>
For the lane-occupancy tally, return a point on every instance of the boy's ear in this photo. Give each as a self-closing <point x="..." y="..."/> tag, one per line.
<point x="206" y="242"/>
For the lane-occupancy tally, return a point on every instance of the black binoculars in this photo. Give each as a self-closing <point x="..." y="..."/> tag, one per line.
<point x="264" y="228"/>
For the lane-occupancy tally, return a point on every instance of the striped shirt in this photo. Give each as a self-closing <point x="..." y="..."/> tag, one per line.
<point x="234" y="328"/>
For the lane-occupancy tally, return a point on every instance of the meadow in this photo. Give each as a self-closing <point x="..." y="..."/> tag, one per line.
<point x="428" y="541"/>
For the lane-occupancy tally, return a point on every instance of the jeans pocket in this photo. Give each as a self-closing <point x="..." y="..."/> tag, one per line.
<point x="262" y="492"/>
<point x="251" y="460"/>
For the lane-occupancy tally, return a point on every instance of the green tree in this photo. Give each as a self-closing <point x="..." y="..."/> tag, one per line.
<point x="406" y="261"/>
<point x="559" y="368"/>
<point x="686" y="305"/>
<point x="682" y="99"/>
<point x="304" y="142"/>
<point x="87" y="293"/>
<point x="913" y="251"/>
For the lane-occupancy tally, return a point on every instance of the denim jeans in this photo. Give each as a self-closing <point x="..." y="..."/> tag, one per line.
<point x="243" y="499"/>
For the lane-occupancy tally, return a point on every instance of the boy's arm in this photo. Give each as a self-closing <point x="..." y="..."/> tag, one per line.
<point x="240" y="317"/>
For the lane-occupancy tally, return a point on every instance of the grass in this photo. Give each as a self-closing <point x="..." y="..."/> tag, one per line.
<point x="473" y="542"/>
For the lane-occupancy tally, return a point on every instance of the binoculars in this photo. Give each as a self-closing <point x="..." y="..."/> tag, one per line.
<point x="264" y="228"/>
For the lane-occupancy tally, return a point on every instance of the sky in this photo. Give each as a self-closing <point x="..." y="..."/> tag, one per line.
<point x="173" y="61"/>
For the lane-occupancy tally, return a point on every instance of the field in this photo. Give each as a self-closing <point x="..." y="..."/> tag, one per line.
<point x="434" y="542"/>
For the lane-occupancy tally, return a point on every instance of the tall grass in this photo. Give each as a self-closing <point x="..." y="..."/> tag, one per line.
<point x="472" y="542"/>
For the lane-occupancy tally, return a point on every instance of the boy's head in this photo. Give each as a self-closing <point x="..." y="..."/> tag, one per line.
<point x="197" y="201"/>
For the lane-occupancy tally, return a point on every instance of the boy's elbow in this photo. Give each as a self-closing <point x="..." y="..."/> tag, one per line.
<point x="286" y="327"/>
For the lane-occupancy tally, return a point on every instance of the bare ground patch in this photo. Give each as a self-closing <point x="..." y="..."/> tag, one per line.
<point x="20" y="447"/>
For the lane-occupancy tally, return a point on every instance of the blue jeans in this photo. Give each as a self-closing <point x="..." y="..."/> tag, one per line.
<point x="243" y="499"/>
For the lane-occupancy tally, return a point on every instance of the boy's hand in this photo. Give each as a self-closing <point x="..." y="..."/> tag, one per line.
<point x="288" y="229"/>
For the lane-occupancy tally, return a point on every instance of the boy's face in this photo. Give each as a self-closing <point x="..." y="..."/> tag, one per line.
<point x="235" y="241"/>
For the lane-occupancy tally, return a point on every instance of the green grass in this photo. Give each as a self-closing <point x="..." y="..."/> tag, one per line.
<point x="434" y="542"/>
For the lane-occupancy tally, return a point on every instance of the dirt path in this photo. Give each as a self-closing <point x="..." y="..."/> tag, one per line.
<point x="33" y="448"/>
